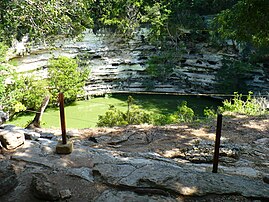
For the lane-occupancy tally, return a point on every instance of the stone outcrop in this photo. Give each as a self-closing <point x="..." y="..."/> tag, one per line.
<point x="43" y="188"/>
<point x="8" y="177"/>
<point x="11" y="138"/>
<point x="3" y="117"/>
<point x="141" y="163"/>
<point x="140" y="173"/>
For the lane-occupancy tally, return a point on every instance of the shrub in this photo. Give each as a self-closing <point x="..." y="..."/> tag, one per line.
<point x="183" y="114"/>
<point x="210" y="113"/>
<point x="250" y="106"/>
<point x="113" y="117"/>
<point x="136" y="115"/>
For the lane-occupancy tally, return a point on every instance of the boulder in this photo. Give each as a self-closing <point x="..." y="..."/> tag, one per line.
<point x="173" y="178"/>
<point x="42" y="188"/>
<point x="31" y="135"/>
<point x="8" y="177"/>
<point x="12" y="138"/>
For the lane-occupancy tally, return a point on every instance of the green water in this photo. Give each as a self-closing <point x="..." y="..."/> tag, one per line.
<point x="84" y="114"/>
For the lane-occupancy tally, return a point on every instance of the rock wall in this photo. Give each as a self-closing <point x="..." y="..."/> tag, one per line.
<point x="118" y="65"/>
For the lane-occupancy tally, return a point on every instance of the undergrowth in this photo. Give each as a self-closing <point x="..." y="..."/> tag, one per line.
<point x="136" y="115"/>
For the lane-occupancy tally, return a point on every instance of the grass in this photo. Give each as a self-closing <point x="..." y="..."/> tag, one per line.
<point x="84" y="114"/>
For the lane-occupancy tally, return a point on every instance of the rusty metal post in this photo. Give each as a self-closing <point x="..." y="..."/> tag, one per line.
<point x="61" y="100"/>
<point x="217" y="144"/>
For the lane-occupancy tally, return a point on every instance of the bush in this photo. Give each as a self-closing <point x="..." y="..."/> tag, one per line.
<point x="135" y="115"/>
<point x="183" y="114"/>
<point x="113" y="117"/>
<point x="210" y="113"/>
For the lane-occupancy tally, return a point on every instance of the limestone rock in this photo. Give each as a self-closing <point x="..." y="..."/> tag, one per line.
<point x="266" y="179"/>
<point x="3" y="117"/>
<point x="84" y="173"/>
<point x="73" y="133"/>
<point x="31" y="135"/>
<point x="8" y="178"/>
<point x="65" y="194"/>
<point x="137" y="172"/>
<point x="11" y="138"/>
<point x="47" y="135"/>
<point x="115" y="196"/>
<point x="43" y="188"/>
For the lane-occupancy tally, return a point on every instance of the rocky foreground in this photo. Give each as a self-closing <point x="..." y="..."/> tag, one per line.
<point x="138" y="163"/>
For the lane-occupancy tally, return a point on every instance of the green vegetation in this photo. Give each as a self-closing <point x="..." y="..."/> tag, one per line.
<point x="84" y="114"/>
<point x="250" y="106"/>
<point x="135" y="115"/>
<point x="172" y="24"/>
<point x="65" y="76"/>
<point x="237" y="70"/>
<point x="27" y="93"/>
<point x="156" y="110"/>
<point x="246" y="21"/>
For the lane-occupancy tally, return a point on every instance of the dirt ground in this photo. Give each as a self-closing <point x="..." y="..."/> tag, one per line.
<point x="159" y="139"/>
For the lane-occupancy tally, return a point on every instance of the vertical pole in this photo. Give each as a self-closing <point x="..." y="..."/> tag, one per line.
<point x="61" y="100"/>
<point x="217" y="144"/>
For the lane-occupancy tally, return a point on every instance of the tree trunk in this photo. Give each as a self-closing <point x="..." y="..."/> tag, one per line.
<point x="36" y="121"/>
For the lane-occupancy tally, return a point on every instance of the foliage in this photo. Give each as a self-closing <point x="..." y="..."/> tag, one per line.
<point x="3" y="50"/>
<point x="135" y="115"/>
<point x="237" y="70"/>
<point x="246" y="21"/>
<point x="160" y="66"/>
<point x="41" y="19"/>
<point x="23" y="93"/>
<point x="183" y="114"/>
<point x="210" y="113"/>
<point x="250" y="106"/>
<point x="66" y="77"/>
<point x="113" y="117"/>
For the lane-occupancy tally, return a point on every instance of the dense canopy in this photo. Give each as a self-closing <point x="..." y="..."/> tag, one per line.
<point x="243" y="20"/>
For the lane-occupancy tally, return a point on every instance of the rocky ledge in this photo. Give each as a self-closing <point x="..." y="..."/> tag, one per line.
<point x="141" y="163"/>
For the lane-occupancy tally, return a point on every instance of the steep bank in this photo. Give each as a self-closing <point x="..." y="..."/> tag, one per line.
<point x="119" y="65"/>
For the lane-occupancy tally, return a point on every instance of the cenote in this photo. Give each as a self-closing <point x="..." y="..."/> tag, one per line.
<point x="84" y="114"/>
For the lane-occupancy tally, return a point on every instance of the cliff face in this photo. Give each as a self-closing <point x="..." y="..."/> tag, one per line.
<point x="118" y="65"/>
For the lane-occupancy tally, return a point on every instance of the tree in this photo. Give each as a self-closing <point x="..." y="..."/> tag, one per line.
<point x="23" y="92"/>
<point x="246" y="21"/>
<point x="66" y="77"/>
<point x="41" y="19"/>
<point x="3" y="49"/>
